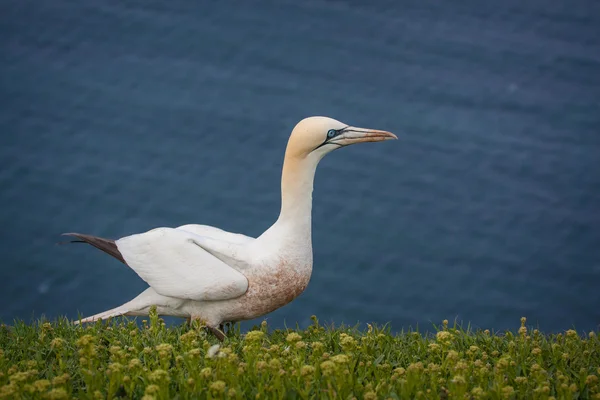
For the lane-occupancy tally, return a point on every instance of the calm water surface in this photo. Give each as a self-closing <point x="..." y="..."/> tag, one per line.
<point x="120" y="116"/>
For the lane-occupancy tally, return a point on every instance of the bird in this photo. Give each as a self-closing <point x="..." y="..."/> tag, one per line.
<point x="204" y="273"/>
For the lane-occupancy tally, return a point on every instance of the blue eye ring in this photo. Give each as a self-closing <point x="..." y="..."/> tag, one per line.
<point x="331" y="133"/>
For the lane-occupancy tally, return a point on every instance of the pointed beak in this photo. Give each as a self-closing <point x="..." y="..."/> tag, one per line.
<point x="352" y="134"/>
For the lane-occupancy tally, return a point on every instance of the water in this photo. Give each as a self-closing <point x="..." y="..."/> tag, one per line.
<point x="118" y="117"/>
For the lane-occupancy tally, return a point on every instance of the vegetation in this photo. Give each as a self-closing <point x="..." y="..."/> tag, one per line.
<point x="121" y="359"/>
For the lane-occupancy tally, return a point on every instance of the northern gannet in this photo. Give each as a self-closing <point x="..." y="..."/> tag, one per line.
<point x="202" y="272"/>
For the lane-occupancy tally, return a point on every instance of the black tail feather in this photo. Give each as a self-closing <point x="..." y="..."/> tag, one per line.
<point x="106" y="245"/>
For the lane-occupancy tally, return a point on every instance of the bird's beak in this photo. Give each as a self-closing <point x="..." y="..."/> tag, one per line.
<point x="352" y="134"/>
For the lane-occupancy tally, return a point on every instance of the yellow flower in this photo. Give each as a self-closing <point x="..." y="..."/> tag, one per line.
<point x="57" y="394"/>
<point x="300" y="345"/>
<point x="452" y="355"/>
<point x="152" y="389"/>
<point x="57" y="343"/>
<point x="340" y="359"/>
<point x="571" y="334"/>
<point x="206" y="372"/>
<point x="135" y="363"/>
<point x="218" y="386"/>
<point x="307" y="370"/>
<point x="508" y="391"/>
<point x="327" y="367"/>
<point x="254" y="336"/>
<point x="370" y="396"/>
<point x="293" y="337"/>
<point x="41" y="385"/>
<point x="444" y="337"/>
<point x="159" y="376"/>
<point x="61" y="379"/>
<point x="520" y="380"/>
<point x="434" y="347"/>
<point x="164" y="350"/>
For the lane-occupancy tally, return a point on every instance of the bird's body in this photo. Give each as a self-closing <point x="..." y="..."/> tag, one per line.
<point x="202" y="272"/>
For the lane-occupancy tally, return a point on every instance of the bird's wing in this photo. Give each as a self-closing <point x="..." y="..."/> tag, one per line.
<point x="174" y="265"/>
<point x="216" y="233"/>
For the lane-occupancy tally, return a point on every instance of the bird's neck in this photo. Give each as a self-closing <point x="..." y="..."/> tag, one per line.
<point x="296" y="195"/>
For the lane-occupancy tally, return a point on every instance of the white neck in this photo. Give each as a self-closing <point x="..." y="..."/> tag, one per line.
<point x="294" y="222"/>
<point x="297" y="180"/>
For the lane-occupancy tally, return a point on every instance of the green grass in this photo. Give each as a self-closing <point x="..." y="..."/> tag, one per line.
<point x="120" y="359"/>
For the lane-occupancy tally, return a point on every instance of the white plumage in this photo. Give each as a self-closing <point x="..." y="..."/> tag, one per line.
<point x="203" y="272"/>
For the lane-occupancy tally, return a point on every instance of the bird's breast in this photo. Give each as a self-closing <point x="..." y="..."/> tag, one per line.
<point x="273" y="286"/>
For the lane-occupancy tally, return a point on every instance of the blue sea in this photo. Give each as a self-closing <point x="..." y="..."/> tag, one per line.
<point x="117" y="117"/>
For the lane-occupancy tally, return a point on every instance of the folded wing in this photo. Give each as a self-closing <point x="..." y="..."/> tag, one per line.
<point x="171" y="262"/>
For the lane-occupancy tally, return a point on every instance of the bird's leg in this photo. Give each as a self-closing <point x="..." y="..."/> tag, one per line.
<point x="189" y="321"/>
<point x="217" y="332"/>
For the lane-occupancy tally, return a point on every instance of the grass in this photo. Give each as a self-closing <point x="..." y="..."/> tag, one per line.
<point x="121" y="359"/>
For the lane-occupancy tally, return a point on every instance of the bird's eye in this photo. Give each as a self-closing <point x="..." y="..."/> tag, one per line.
<point x="331" y="133"/>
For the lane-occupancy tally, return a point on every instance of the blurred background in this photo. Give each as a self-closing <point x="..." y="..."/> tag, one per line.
<point x="120" y="116"/>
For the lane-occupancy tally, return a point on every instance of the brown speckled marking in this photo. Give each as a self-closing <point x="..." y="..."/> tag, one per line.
<point x="268" y="291"/>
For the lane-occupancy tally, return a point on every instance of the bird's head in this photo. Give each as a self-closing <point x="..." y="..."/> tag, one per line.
<point x="317" y="136"/>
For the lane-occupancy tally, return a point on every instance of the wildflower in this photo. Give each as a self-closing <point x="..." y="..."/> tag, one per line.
<point x="508" y="392"/>
<point x="164" y="350"/>
<point x="477" y="392"/>
<point x="317" y="347"/>
<point x="444" y="337"/>
<point x="254" y="336"/>
<point x="218" y="386"/>
<point x="275" y="364"/>
<point x="591" y="380"/>
<point x="591" y="335"/>
<point x="57" y="394"/>
<point x="212" y="351"/>
<point x="307" y="370"/>
<point x="536" y="351"/>
<point x="293" y="337"/>
<point x="152" y="389"/>
<point x="445" y="324"/>
<point x="459" y="380"/>
<point x="206" y="372"/>
<point x="135" y="363"/>
<point x="452" y="355"/>
<point x="433" y="347"/>
<point x="190" y="382"/>
<point x="461" y="366"/>
<point x="416" y="367"/>
<point x="399" y="371"/>
<point x="520" y="380"/>
<point x="340" y="359"/>
<point x="571" y="334"/>
<point x="370" y="396"/>
<point x="57" y="343"/>
<point x="327" y="367"/>
<point x="260" y="365"/>
<point x="159" y="375"/>
<point x="231" y="392"/>
<point x="523" y="331"/>
<point x="61" y="379"/>
<point x="300" y="345"/>
<point x="41" y="385"/>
